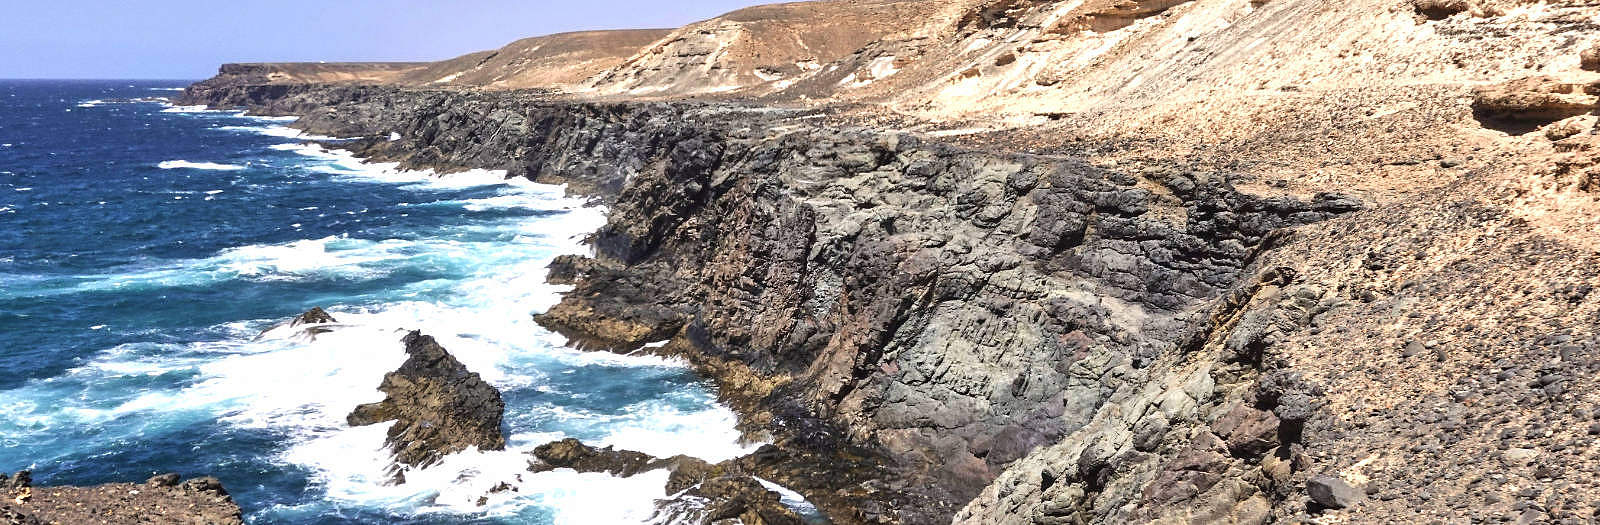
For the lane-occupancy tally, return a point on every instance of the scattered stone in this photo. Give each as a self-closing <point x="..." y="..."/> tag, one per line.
<point x="1519" y="455"/>
<point x="1333" y="492"/>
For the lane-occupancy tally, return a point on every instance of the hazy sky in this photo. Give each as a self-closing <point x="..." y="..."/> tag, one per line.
<point x="171" y="39"/>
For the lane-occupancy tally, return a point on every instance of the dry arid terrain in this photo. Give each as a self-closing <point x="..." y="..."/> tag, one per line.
<point x="1079" y="261"/>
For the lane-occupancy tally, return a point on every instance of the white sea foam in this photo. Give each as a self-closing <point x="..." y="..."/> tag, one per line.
<point x="276" y="131"/>
<point x="91" y="103"/>
<point x="167" y="89"/>
<point x="298" y="385"/>
<point x="184" y="164"/>
<point x="189" y="109"/>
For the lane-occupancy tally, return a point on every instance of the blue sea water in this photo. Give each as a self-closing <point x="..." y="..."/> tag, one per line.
<point x="145" y="248"/>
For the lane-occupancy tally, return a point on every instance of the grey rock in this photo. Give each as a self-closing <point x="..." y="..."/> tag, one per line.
<point x="1333" y="492"/>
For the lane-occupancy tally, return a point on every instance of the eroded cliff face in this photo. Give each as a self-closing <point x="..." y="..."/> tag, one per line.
<point x="1229" y="270"/>
<point x="947" y="309"/>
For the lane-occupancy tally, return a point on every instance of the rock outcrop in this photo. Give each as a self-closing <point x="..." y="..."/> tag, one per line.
<point x="161" y="500"/>
<point x="307" y="326"/>
<point x="698" y="492"/>
<point x="438" y="406"/>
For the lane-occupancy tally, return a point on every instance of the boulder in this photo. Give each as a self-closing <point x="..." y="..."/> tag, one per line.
<point x="163" y="480"/>
<point x="439" y="407"/>
<point x="1590" y="58"/>
<point x="308" y="325"/>
<point x="1333" y="493"/>
<point x="573" y="454"/>
<point x="1248" y="432"/>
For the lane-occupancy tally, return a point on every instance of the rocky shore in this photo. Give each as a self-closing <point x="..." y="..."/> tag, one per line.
<point x="164" y="499"/>
<point x="938" y="310"/>
<point x="1215" y="285"/>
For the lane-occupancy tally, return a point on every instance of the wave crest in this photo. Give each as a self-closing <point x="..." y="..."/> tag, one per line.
<point x="184" y="164"/>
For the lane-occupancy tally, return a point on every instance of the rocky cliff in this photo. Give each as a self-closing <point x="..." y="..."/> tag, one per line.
<point x="1093" y="262"/>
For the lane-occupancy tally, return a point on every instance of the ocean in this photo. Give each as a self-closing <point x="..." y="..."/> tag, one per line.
<point x="145" y="248"/>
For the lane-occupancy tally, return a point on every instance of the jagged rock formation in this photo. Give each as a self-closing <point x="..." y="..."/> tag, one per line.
<point x="1091" y="262"/>
<point x="698" y="492"/>
<point x="438" y="407"/>
<point x="160" y="501"/>
<point x="308" y="325"/>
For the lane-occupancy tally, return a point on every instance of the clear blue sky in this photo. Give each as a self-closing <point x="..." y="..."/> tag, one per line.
<point x="172" y="39"/>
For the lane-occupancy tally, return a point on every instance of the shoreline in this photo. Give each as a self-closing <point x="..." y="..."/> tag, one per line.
<point x="826" y="408"/>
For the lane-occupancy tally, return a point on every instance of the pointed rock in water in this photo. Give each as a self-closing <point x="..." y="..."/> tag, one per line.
<point x="316" y="315"/>
<point x="440" y="407"/>
<point x="311" y="320"/>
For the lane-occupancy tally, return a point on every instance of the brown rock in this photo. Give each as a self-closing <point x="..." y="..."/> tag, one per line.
<point x="440" y="407"/>
<point x="1248" y="432"/>
<point x="1590" y="58"/>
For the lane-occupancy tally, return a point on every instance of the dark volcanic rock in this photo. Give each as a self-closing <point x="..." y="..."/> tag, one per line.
<point x="163" y="480"/>
<point x="312" y="323"/>
<point x="315" y="315"/>
<point x="204" y="503"/>
<point x="439" y="405"/>
<point x="573" y="454"/>
<point x="699" y="492"/>
<point x="727" y="498"/>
